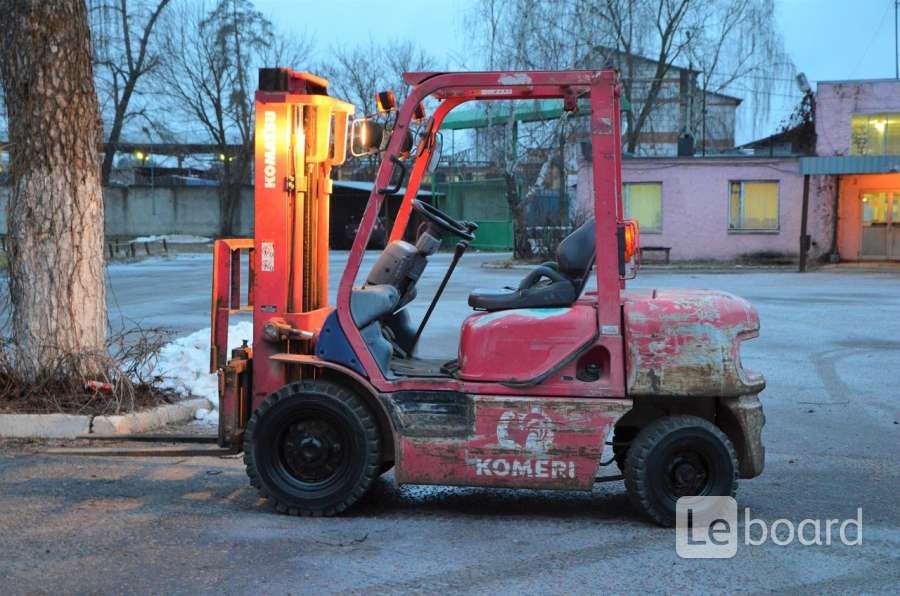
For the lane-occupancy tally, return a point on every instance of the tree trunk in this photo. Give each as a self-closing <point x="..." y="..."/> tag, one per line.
<point x="114" y="133"/>
<point x="55" y="211"/>
<point x="229" y="198"/>
<point x="519" y="212"/>
<point x="234" y="173"/>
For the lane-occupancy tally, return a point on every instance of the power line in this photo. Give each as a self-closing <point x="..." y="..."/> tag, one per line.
<point x="874" y="37"/>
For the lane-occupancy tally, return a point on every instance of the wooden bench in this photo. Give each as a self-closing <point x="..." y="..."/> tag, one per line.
<point x="664" y="249"/>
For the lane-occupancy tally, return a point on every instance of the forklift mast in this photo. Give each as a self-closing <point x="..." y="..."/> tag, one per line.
<point x="301" y="134"/>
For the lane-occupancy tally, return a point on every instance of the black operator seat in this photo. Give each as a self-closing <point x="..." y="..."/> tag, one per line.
<point x="551" y="284"/>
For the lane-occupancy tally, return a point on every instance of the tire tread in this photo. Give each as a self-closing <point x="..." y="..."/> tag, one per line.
<point x="297" y="390"/>
<point x="640" y="450"/>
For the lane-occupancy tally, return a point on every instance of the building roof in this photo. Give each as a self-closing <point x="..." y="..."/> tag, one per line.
<point x="850" y="164"/>
<point x="367" y="187"/>
<point x="672" y="66"/>
<point x="800" y="137"/>
<point x="526" y="111"/>
<point x="846" y="81"/>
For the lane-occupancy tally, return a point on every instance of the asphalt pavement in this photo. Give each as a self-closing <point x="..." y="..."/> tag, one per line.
<point x="829" y="348"/>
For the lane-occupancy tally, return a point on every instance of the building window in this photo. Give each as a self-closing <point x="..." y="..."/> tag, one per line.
<point x="875" y="134"/>
<point x="753" y="206"/>
<point x="643" y="202"/>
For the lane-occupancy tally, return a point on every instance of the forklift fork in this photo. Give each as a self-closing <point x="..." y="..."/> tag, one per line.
<point x="234" y="373"/>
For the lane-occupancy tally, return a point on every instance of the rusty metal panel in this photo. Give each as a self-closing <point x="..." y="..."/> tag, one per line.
<point x="743" y="419"/>
<point x="532" y="442"/>
<point x="687" y="342"/>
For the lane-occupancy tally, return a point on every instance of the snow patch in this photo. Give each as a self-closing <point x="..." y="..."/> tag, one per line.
<point x="174" y="239"/>
<point x="183" y="365"/>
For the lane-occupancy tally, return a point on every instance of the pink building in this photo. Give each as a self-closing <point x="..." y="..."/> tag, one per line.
<point x="716" y="208"/>
<point x="722" y="208"/>
<point x="858" y="149"/>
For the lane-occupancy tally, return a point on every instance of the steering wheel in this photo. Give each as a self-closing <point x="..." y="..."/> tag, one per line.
<point x="443" y="221"/>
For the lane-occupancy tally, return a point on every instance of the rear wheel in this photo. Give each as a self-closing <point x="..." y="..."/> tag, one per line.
<point x="312" y="448"/>
<point x="674" y="457"/>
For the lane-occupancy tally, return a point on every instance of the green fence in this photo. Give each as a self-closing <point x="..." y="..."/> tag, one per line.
<point x="481" y="201"/>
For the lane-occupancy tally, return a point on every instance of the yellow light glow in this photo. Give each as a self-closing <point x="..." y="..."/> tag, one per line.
<point x="629" y="242"/>
<point x="139" y="156"/>
<point x="222" y="156"/>
<point x="879" y="125"/>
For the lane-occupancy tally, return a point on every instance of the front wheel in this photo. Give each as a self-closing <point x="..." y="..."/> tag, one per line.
<point x="674" y="457"/>
<point x="312" y="448"/>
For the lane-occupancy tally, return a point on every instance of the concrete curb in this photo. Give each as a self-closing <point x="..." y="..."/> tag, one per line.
<point x="139" y="422"/>
<point x="43" y="426"/>
<point x="68" y="426"/>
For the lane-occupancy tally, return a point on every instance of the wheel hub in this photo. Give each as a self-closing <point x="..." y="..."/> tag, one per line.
<point x="312" y="450"/>
<point x="687" y="475"/>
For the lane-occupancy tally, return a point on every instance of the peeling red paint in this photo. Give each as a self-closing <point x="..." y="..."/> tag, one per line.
<point x="547" y="443"/>
<point x="687" y="342"/>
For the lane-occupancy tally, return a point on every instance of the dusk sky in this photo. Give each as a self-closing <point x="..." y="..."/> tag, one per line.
<point x="827" y="39"/>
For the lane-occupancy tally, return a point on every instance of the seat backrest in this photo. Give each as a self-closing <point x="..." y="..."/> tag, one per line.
<point x="575" y="254"/>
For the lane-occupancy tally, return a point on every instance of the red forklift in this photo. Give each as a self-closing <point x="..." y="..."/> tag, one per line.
<point x="546" y="375"/>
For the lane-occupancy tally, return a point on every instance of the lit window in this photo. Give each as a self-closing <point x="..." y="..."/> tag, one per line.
<point x="643" y="202"/>
<point x="753" y="206"/>
<point x="875" y="134"/>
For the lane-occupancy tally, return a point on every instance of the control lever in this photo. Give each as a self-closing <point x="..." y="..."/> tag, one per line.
<point x="457" y="255"/>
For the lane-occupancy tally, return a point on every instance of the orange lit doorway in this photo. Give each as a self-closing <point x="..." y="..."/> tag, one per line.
<point x="880" y="238"/>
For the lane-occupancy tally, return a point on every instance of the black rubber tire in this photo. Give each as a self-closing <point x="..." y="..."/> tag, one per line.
<point x="651" y="452"/>
<point x="264" y="452"/>
<point x="385" y="468"/>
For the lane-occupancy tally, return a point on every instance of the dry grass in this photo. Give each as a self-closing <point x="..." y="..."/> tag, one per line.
<point x="125" y="370"/>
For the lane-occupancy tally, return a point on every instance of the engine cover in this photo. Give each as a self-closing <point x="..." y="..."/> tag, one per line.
<point x="687" y="343"/>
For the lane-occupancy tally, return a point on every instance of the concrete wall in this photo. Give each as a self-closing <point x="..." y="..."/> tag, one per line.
<point x="837" y="102"/>
<point x="143" y="211"/>
<point x="695" y="202"/>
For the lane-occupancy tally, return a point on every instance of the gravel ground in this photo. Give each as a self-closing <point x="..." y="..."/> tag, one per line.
<point x="830" y="349"/>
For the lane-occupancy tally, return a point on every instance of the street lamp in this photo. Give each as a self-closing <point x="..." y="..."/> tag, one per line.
<point x="144" y="158"/>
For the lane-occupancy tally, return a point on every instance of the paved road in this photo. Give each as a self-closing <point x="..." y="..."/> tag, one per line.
<point x="830" y="348"/>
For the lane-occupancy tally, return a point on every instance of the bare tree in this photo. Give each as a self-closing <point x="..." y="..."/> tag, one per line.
<point x="724" y="41"/>
<point x="626" y="21"/>
<point x="357" y="73"/>
<point x="524" y="34"/>
<point x="208" y="81"/>
<point x="734" y="44"/>
<point x="124" y="56"/>
<point x="55" y="213"/>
